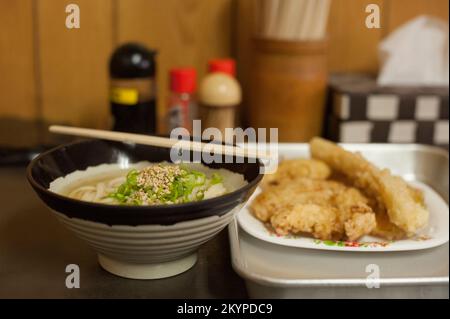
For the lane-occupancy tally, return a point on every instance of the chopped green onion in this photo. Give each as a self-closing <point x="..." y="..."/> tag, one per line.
<point x="216" y="179"/>
<point x="184" y="185"/>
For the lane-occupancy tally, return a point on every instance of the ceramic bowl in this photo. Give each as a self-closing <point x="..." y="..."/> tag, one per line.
<point x="140" y="242"/>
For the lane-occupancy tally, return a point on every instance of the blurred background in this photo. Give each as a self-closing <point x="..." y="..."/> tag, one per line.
<point x="60" y="75"/>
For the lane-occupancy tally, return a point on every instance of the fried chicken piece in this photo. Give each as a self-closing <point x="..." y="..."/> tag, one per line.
<point x="361" y="222"/>
<point x="403" y="206"/>
<point x="288" y="208"/>
<point x="292" y="169"/>
<point x="347" y="198"/>
<point x="350" y="202"/>
<point x="299" y="191"/>
<point x="266" y="204"/>
<point x="317" y="220"/>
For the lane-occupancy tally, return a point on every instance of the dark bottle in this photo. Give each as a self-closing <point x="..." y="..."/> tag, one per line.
<point x="132" y="71"/>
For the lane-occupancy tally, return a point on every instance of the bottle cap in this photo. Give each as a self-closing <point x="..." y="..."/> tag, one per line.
<point x="183" y="80"/>
<point x="132" y="60"/>
<point x="227" y="66"/>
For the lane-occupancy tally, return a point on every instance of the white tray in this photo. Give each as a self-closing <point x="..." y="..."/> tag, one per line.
<point x="274" y="271"/>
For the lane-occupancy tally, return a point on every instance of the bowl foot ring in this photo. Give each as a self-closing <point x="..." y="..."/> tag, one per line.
<point x="147" y="271"/>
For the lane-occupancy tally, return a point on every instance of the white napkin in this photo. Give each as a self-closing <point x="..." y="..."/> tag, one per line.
<point x="416" y="54"/>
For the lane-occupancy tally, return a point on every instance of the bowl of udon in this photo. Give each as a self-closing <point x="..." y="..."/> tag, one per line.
<point x="145" y="216"/>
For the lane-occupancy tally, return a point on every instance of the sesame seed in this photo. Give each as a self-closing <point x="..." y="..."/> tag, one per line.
<point x="158" y="178"/>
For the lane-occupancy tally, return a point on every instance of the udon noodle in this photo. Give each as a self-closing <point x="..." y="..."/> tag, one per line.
<point x="99" y="191"/>
<point x="147" y="183"/>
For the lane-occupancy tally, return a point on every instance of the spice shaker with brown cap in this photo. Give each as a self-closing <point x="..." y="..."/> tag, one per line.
<point x="219" y="95"/>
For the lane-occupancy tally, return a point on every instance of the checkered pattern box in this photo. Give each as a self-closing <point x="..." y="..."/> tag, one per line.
<point x="362" y="112"/>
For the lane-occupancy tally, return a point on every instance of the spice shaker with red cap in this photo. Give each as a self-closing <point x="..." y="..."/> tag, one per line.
<point x="219" y="95"/>
<point x="182" y="108"/>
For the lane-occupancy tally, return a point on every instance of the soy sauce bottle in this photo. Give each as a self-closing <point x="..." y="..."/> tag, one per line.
<point x="132" y="72"/>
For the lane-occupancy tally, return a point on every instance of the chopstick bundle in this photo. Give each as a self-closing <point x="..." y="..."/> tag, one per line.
<point x="322" y="12"/>
<point x="269" y="9"/>
<point x="287" y="18"/>
<point x="300" y="20"/>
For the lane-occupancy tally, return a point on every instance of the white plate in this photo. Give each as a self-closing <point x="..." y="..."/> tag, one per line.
<point x="435" y="234"/>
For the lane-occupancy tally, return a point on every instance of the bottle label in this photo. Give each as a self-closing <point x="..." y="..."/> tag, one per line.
<point x="176" y="117"/>
<point x="125" y="96"/>
<point x="181" y="112"/>
<point x="132" y="91"/>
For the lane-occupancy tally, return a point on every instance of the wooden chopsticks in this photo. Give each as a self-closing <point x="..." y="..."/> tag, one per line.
<point x="159" y="141"/>
<point x="299" y="20"/>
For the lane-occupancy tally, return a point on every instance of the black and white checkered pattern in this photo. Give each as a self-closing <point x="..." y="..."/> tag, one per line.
<point x="389" y="117"/>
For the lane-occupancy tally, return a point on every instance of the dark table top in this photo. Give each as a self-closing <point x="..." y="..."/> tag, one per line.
<point x="35" y="250"/>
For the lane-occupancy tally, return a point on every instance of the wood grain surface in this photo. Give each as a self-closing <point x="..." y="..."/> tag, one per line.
<point x="60" y="75"/>
<point x="73" y="62"/>
<point x="17" y="73"/>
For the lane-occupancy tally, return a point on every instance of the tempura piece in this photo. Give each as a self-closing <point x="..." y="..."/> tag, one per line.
<point x="386" y="229"/>
<point x="350" y="204"/>
<point x="301" y="191"/>
<point x="306" y="218"/>
<point x="292" y="169"/>
<point x="361" y="222"/>
<point x="323" y="208"/>
<point x="403" y="206"/>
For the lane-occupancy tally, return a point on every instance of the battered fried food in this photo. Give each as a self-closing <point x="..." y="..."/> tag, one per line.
<point x="361" y="222"/>
<point x="323" y="208"/>
<point x="323" y="221"/>
<point x="356" y="217"/>
<point x="306" y="218"/>
<point x="284" y="192"/>
<point x="403" y="206"/>
<point x="300" y="198"/>
<point x="292" y="169"/>
<point x="386" y="229"/>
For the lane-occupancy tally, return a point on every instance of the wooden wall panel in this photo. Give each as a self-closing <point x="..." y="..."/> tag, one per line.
<point x="49" y="71"/>
<point x="245" y="29"/>
<point x="17" y="77"/>
<point x="352" y="46"/>
<point x="400" y="11"/>
<point x="185" y="33"/>
<point x="73" y="62"/>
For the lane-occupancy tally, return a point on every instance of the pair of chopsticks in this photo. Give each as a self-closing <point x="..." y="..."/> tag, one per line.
<point x="293" y="19"/>
<point x="160" y="141"/>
